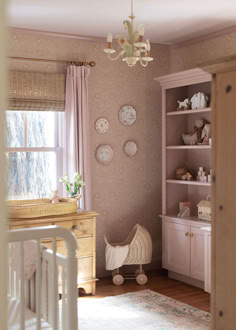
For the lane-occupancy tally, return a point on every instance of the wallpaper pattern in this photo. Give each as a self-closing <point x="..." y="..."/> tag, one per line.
<point x="128" y="190"/>
<point x="187" y="57"/>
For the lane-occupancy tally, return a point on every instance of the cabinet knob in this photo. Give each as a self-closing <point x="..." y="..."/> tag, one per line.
<point x="191" y="235"/>
<point x="187" y="234"/>
<point x="75" y="227"/>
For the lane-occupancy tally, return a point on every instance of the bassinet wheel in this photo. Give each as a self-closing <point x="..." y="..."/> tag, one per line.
<point x="118" y="279"/>
<point x="141" y="279"/>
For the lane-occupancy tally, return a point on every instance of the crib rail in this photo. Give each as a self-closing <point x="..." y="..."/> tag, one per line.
<point x="43" y="286"/>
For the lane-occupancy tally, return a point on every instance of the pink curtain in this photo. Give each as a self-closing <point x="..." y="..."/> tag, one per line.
<point x="77" y="129"/>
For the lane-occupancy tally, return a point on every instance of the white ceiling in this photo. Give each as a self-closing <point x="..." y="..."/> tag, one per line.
<point x="166" y="21"/>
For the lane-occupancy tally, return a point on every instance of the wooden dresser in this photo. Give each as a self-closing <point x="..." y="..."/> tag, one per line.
<point x="83" y="224"/>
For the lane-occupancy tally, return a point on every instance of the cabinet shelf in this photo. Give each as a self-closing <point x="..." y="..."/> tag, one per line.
<point x="194" y="183"/>
<point x="192" y="147"/>
<point x="187" y="112"/>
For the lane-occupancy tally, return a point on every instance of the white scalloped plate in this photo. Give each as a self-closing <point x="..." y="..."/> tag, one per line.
<point x="104" y="154"/>
<point x="130" y="148"/>
<point x="102" y="125"/>
<point x="127" y="115"/>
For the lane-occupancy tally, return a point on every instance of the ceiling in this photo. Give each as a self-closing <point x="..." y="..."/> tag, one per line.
<point x="165" y="21"/>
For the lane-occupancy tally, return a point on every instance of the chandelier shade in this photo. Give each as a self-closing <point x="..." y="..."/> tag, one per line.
<point x="132" y="49"/>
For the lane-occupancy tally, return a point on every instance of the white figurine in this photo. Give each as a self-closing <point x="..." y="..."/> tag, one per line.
<point x="55" y="198"/>
<point x="185" y="105"/>
<point x="206" y="134"/>
<point x="199" y="101"/>
<point x="195" y="137"/>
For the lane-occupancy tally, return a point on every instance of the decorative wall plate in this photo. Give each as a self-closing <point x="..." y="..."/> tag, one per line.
<point x="104" y="154"/>
<point x="102" y="125"/>
<point x="127" y="115"/>
<point x="130" y="148"/>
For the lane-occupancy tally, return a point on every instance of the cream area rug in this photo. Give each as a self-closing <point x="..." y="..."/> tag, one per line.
<point x="142" y="310"/>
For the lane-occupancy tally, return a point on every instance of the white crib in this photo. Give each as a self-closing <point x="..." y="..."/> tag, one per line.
<point x="35" y="304"/>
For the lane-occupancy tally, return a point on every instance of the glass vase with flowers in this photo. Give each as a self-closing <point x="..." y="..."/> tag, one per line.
<point x="73" y="188"/>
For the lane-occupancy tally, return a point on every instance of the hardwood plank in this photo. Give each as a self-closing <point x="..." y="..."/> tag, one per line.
<point x="158" y="282"/>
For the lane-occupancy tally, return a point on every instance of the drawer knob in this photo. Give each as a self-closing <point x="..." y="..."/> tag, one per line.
<point x="75" y="227"/>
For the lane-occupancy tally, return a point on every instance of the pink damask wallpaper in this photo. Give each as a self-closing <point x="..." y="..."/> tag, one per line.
<point x="187" y="57"/>
<point x="127" y="191"/>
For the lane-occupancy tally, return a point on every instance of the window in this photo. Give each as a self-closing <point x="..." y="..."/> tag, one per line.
<point x="34" y="156"/>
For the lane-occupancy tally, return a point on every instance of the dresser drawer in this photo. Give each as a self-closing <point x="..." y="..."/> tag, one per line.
<point x="85" y="268"/>
<point x="79" y="227"/>
<point x="83" y="227"/>
<point x="85" y="246"/>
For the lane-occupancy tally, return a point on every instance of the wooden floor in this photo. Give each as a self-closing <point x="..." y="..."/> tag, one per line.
<point x="160" y="283"/>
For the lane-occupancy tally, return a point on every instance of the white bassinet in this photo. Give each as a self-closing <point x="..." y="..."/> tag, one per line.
<point x="135" y="250"/>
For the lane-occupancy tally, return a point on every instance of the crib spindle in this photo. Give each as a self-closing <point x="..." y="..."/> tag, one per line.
<point x="44" y="290"/>
<point x="27" y="294"/>
<point x="63" y="310"/>
<point x="32" y="295"/>
<point x="38" y="287"/>
<point x="22" y="290"/>
<point x="55" y="285"/>
<point x="11" y="281"/>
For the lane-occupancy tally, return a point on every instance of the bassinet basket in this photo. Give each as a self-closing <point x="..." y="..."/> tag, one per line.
<point x="140" y="249"/>
<point x="135" y="250"/>
<point x="35" y="208"/>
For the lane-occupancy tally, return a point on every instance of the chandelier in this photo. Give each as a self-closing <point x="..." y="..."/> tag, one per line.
<point x="134" y="49"/>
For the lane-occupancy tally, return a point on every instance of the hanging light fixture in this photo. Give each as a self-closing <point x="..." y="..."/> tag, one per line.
<point x="133" y="50"/>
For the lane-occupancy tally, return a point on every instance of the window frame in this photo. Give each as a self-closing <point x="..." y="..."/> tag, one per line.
<point x="58" y="149"/>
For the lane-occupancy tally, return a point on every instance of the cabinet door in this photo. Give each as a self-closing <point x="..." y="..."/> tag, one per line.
<point x="176" y="247"/>
<point x="207" y="263"/>
<point x="197" y="254"/>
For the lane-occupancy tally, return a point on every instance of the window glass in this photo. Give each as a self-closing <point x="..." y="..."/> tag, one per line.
<point x="31" y="174"/>
<point x="41" y="129"/>
<point x="15" y="129"/>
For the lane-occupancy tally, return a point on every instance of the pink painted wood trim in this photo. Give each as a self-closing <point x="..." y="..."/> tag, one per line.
<point x="56" y="34"/>
<point x="183" y="78"/>
<point x="193" y="183"/>
<point x="191" y="221"/>
<point x="198" y="147"/>
<point x="65" y="35"/>
<point x="164" y="151"/>
<point x="205" y="37"/>
<point x="187" y="112"/>
<point x="186" y="43"/>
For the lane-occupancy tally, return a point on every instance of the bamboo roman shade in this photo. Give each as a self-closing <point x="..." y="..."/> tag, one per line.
<point x="36" y="91"/>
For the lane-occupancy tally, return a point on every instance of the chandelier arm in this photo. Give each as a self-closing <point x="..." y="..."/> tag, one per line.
<point x="143" y="63"/>
<point x="116" y="57"/>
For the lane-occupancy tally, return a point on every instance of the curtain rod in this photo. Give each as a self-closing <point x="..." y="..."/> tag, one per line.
<point x="92" y="63"/>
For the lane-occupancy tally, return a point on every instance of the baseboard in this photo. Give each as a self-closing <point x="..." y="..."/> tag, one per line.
<point x="186" y="279"/>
